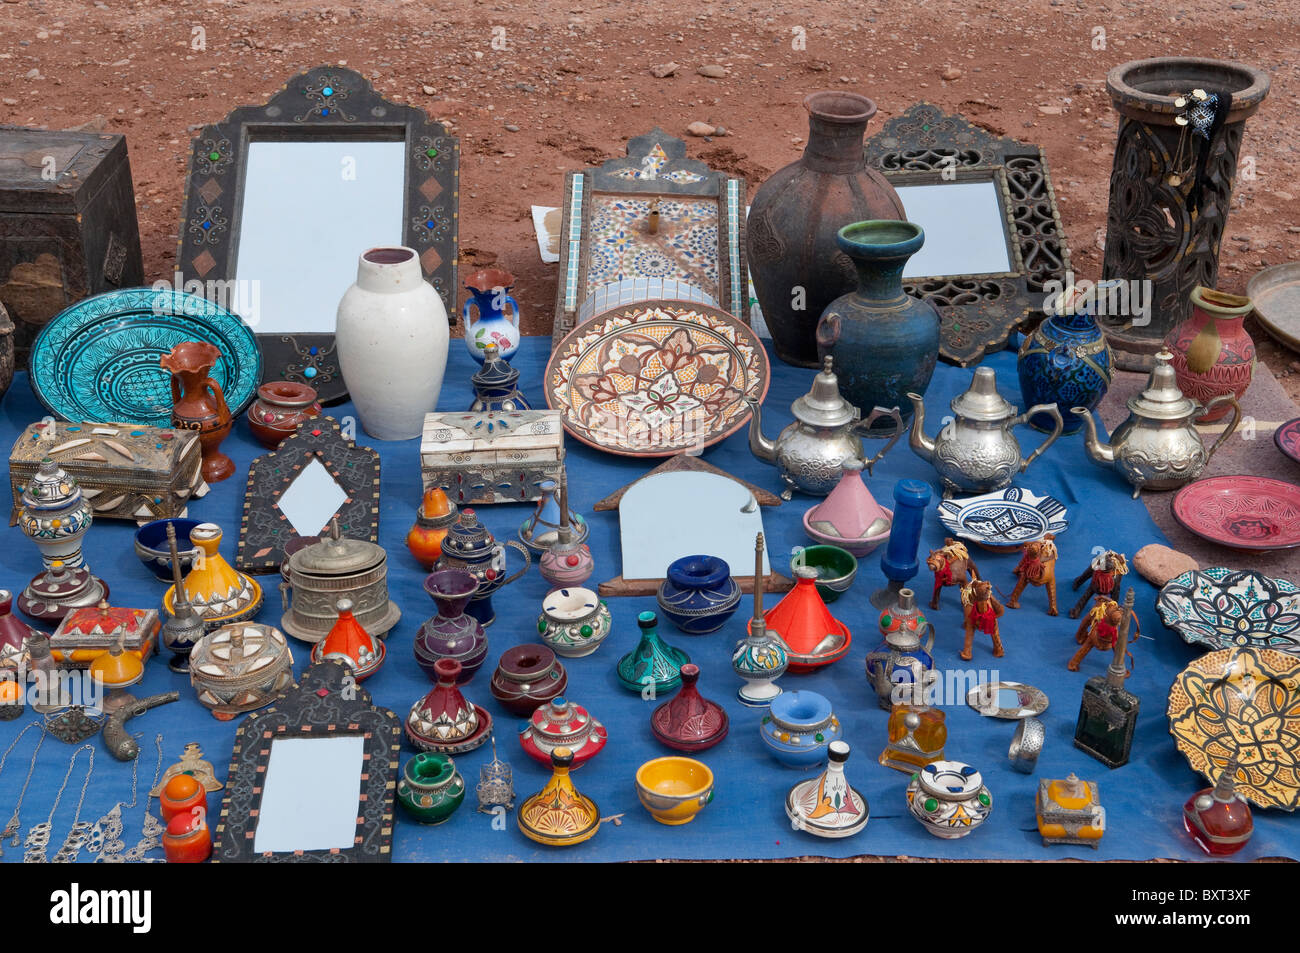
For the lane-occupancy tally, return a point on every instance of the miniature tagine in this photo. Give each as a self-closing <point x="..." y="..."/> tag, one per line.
<point x="219" y="593"/>
<point x="14" y="634"/>
<point x="798" y="728"/>
<point x="698" y="595"/>
<point x="688" y="721"/>
<point x="813" y="637"/>
<point x="54" y="514"/>
<point x="949" y="799"/>
<point x="431" y="788"/>
<point x="432" y="521"/>
<point x="761" y="657"/>
<point x="850" y="517"/>
<point x="54" y="593"/>
<point x="451" y="633"/>
<point x="241" y="667"/>
<point x="827" y="805"/>
<point x="557" y="815"/>
<point x="562" y="724"/>
<point x="573" y="622"/>
<point x="527" y="676"/>
<point x="116" y="670"/>
<point x="350" y="644"/>
<point x="654" y="666"/>
<point x="444" y="720"/>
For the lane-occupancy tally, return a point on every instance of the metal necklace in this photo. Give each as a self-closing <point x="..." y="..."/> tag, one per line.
<point x="38" y="838"/>
<point x="151" y="832"/>
<point x="106" y="835"/>
<point x="12" y="828"/>
<point x="80" y="829"/>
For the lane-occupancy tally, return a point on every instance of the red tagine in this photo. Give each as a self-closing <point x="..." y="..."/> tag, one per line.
<point x="689" y="721"/>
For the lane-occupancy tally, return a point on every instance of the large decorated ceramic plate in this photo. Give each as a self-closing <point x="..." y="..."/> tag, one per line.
<point x="1004" y="519"/>
<point x="1241" y="511"/>
<point x="1242" y="702"/>
<point x="98" y="359"/>
<point x="1220" y="608"/>
<point x="656" y="378"/>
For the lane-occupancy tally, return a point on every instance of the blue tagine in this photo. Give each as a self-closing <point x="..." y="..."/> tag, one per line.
<point x="699" y="595"/>
<point x="1066" y="360"/>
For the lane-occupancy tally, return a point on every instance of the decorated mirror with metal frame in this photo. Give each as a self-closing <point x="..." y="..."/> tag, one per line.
<point x="993" y="234"/>
<point x="653" y="217"/>
<point x="326" y="735"/>
<point x="316" y="475"/>
<point x="281" y="199"/>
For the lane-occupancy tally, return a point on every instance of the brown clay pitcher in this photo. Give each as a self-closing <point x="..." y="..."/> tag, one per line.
<point x="198" y="403"/>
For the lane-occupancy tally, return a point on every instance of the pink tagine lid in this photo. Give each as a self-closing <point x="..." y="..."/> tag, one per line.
<point x="850" y="509"/>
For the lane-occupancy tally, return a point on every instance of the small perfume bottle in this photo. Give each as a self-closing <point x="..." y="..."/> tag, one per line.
<point x="917" y="734"/>
<point x="1108" y="712"/>
<point x="1217" y="818"/>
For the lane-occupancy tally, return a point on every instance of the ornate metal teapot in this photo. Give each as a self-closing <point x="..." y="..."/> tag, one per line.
<point x="469" y="545"/>
<point x="810" y="452"/>
<point x="976" y="452"/>
<point x="1158" y="447"/>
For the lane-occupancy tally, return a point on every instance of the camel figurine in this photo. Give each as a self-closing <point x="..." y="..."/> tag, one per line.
<point x="1037" y="567"/>
<point x="952" y="566"/>
<point x="981" y="611"/>
<point x="1105" y="572"/>
<point x="1099" y="630"/>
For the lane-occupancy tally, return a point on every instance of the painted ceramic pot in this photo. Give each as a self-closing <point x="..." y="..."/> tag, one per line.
<point x="573" y="622"/>
<point x="949" y="799"/>
<point x="14" y="634"/>
<point x="836" y="568"/>
<point x="219" y="593"/>
<point x="885" y="342"/>
<point x="674" y="789"/>
<point x="562" y="724"/>
<point x="798" y="728"/>
<point x="432" y="521"/>
<point x="902" y="666"/>
<point x="469" y="545"/>
<point x="444" y="720"/>
<point x="698" y="595"/>
<point x="151" y="546"/>
<point x="813" y="637"/>
<point x="526" y="677"/>
<point x="489" y="296"/>
<point x="431" y="788"/>
<point x="54" y="514"/>
<point x="1066" y="360"/>
<point x="653" y="667"/>
<point x="790" y="238"/>
<point x="688" y="721"/>
<point x="1213" y="354"/>
<point x="558" y="815"/>
<point x="280" y="407"/>
<point x="349" y="643"/>
<point x="199" y="404"/>
<point x="827" y="805"/>
<point x="392" y="338"/>
<point x="566" y="563"/>
<point x="452" y="633"/>
<point x="496" y="385"/>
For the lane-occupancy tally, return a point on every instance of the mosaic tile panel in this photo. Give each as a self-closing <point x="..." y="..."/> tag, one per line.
<point x="684" y="248"/>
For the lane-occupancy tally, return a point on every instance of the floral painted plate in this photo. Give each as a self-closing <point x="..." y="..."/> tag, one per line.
<point x="1004" y="519"/>
<point x="1242" y="702"/>
<point x="1220" y="608"/>
<point x="98" y="359"/>
<point x="1241" y="511"/>
<point x="655" y="378"/>
<point x="1287" y="438"/>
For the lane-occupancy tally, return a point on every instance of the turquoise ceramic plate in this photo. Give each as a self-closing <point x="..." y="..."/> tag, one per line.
<point x="98" y="360"/>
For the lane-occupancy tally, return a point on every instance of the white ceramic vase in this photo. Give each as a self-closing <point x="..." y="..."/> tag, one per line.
<point x="392" y="337"/>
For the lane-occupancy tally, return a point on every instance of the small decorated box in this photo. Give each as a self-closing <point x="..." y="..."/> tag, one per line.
<point x="126" y="471"/>
<point x="87" y="633"/>
<point x="1069" y="812"/>
<point x="493" y="457"/>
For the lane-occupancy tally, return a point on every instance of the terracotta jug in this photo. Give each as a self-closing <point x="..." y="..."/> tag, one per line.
<point x="198" y="403"/>
<point x="1213" y="354"/>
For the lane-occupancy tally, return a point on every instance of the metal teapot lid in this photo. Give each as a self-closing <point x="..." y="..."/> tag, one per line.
<point x="824" y="406"/>
<point x="981" y="401"/>
<point x="1162" y="399"/>
<point x="468" y="537"/>
<point x="495" y="372"/>
<point x="337" y="555"/>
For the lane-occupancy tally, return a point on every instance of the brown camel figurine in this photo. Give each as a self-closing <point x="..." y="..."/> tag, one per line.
<point x="1099" y="630"/>
<point x="1037" y="567"/>
<point x="952" y="566"/>
<point x="980" y="611"/>
<point x="1105" y="572"/>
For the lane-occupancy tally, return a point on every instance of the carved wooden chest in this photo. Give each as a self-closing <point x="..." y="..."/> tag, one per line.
<point x="496" y="457"/>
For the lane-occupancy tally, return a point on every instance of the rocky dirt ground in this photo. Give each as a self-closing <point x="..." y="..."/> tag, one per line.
<point x="575" y="81"/>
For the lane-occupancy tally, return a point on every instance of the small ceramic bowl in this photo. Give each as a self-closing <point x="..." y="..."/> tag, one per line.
<point x="799" y="728"/>
<point x="836" y="568"/>
<point x="674" y="789"/>
<point x="151" y="546"/>
<point x="857" y="547"/>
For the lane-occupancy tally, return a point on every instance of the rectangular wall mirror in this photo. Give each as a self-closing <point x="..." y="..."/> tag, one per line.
<point x="967" y="226"/>
<point x="320" y="814"/>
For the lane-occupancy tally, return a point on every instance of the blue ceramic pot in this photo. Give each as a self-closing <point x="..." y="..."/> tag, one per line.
<point x="884" y="341"/>
<point x="799" y="727"/>
<point x="699" y="595"/>
<point x="151" y="546"/>
<point x="1065" y="361"/>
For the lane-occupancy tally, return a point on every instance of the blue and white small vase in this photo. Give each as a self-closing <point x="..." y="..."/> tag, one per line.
<point x="699" y="595"/>
<point x="799" y="727"/>
<point x="1066" y="360"/>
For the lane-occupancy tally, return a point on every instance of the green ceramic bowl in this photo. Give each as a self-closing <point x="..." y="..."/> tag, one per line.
<point x="431" y="788"/>
<point x="835" y="568"/>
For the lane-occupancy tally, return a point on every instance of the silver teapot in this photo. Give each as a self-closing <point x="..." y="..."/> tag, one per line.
<point x="1158" y="447"/>
<point x="976" y="452"/>
<point x="810" y="452"/>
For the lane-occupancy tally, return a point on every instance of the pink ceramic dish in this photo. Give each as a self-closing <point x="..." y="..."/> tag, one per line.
<point x="1287" y="438"/>
<point x="1241" y="512"/>
<point x="858" y="547"/>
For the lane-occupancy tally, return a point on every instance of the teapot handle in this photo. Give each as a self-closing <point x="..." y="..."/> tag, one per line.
<point x="929" y="642"/>
<point x="1236" y="419"/>
<point x="876" y="414"/>
<point x="528" y="561"/>
<point x="1052" y="411"/>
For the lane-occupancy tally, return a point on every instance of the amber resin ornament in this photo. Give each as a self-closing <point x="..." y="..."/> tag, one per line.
<point x="917" y="734"/>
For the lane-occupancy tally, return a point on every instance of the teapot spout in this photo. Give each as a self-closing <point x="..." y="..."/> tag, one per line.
<point x="1101" y="452"/>
<point x="922" y="445"/>
<point x="759" y="445"/>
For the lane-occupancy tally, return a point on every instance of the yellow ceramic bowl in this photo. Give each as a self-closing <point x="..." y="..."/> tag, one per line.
<point x="674" y="789"/>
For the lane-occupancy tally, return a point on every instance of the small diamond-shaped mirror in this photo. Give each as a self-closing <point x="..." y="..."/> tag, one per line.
<point x="312" y="499"/>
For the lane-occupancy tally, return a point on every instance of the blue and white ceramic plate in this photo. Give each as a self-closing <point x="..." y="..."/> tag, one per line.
<point x="1004" y="519"/>
<point x="1225" y="608"/>
<point x="98" y="360"/>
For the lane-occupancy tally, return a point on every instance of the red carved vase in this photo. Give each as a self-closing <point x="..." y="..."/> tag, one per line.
<point x="280" y="407"/>
<point x="1213" y="354"/>
<point x="198" y="403"/>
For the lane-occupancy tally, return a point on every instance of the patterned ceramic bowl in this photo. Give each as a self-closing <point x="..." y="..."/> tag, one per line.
<point x="151" y="546"/>
<point x="1221" y="608"/>
<point x="674" y="789"/>
<point x="836" y="568"/>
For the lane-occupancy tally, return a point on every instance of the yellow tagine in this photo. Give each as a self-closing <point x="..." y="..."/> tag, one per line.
<point x="219" y="593"/>
<point x="558" y="815"/>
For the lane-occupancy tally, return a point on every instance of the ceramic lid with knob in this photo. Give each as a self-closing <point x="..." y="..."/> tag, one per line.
<point x="562" y="723"/>
<point x="1162" y="399"/>
<point x="981" y="401"/>
<point x="50" y="488"/>
<point x="337" y="555"/>
<point x="468" y="539"/>
<point x="823" y="405"/>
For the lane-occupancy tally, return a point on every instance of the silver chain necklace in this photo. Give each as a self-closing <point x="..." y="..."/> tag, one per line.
<point x="14" y="825"/>
<point x="106" y="836"/>
<point x="151" y="833"/>
<point x="38" y="838"/>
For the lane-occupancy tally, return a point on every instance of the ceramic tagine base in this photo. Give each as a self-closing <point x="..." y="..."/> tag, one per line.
<point x="827" y="805"/>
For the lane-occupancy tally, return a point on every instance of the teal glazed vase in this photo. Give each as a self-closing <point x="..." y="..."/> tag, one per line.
<point x="431" y="788"/>
<point x="1066" y="360"/>
<point x="884" y="342"/>
<point x="654" y="664"/>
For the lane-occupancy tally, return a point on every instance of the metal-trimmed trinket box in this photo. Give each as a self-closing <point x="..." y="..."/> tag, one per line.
<point x="493" y="457"/>
<point x="125" y="471"/>
<point x="85" y="634"/>
<point x="1069" y="811"/>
